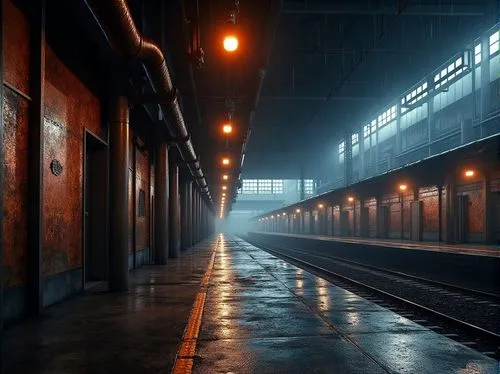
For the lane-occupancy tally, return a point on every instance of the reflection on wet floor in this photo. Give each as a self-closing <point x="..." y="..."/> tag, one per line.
<point x="263" y="315"/>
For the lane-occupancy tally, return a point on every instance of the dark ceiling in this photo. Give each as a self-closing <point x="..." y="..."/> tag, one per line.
<point x="335" y="64"/>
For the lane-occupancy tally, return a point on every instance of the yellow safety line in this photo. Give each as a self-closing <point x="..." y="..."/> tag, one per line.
<point x="184" y="360"/>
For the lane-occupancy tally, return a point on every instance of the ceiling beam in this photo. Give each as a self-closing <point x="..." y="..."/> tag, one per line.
<point x="366" y="9"/>
<point x="319" y="98"/>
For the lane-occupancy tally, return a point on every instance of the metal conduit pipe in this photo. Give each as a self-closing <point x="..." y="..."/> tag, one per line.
<point x="115" y="19"/>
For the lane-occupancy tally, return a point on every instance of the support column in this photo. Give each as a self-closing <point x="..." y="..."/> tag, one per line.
<point x="485" y="78"/>
<point x="186" y="213"/>
<point x="35" y="177"/>
<point x="199" y="214"/>
<point x="192" y="220"/>
<point x="450" y="210"/>
<point x="119" y="215"/>
<point x="161" y="204"/>
<point x="489" y="211"/>
<point x="196" y="202"/>
<point x="174" y="208"/>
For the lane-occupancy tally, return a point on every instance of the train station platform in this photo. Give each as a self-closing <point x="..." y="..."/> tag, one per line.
<point x="464" y="265"/>
<point x="464" y="249"/>
<point x="226" y="306"/>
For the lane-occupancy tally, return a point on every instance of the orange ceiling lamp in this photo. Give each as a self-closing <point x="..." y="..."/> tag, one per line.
<point x="230" y="43"/>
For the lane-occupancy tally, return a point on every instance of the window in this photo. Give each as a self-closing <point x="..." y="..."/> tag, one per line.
<point x="366" y="131"/>
<point x="453" y="70"/>
<point x="265" y="186"/>
<point x="387" y="116"/>
<point x="141" y="210"/>
<point x="278" y="186"/>
<point x="354" y="138"/>
<point x="308" y="186"/>
<point x="414" y="96"/>
<point x="342" y="147"/>
<point x="494" y="46"/>
<point x="249" y="186"/>
<point x="477" y="54"/>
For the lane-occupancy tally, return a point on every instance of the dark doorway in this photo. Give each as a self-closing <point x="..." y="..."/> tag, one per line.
<point x="95" y="202"/>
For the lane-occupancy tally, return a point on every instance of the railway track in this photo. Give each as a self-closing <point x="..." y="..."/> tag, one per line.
<point x="435" y="305"/>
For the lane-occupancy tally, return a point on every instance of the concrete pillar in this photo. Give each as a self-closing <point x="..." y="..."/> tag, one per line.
<point x="174" y="210"/>
<point x="192" y="218"/>
<point x="118" y="183"/>
<point x="161" y="204"/>
<point x="489" y="211"/>
<point x="186" y="213"/>
<point x="450" y="210"/>
<point x="196" y="202"/>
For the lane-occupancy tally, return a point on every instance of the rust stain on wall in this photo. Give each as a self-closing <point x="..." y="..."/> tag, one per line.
<point x="15" y="196"/>
<point x="16" y="47"/>
<point x="429" y="197"/>
<point x="69" y="108"/>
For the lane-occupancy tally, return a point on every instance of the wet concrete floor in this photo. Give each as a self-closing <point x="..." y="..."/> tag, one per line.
<point x="261" y="315"/>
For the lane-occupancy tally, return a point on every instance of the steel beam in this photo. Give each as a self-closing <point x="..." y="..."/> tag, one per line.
<point x="357" y="9"/>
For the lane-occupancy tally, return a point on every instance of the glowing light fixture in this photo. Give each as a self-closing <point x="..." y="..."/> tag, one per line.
<point x="223" y="194"/>
<point x="230" y="43"/>
<point x="403" y="187"/>
<point x="320" y="206"/>
<point x="225" y="177"/>
<point x="227" y="128"/>
<point x="224" y="188"/>
<point x="350" y="199"/>
<point x="469" y="173"/>
<point x="297" y="210"/>
<point x="226" y="161"/>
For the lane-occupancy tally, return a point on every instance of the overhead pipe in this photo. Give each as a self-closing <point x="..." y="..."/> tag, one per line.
<point x="115" y="19"/>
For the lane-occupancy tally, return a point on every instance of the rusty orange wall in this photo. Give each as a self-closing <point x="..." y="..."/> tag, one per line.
<point x="142" y="182"/>
<point x="69" y="108"/>
<point x="475" y="217"/>
<point x="15" y="168"/>
<point x="430" y="198"/>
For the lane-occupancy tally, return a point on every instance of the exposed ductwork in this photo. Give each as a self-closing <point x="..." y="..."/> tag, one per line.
<point x="115" y="19"/>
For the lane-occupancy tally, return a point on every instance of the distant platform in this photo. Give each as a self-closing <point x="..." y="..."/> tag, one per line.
<point x="465" y="249"/>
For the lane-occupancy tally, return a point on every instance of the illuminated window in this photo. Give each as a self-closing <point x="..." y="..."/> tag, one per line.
<point x="308" y="186"/>
<point x="414" y="96"/>
<point x="354" y="138"/>
<point x="494" y="46"/>
<point x="366" y="131"/>
<point x="342" y="147"/>
<point x="278" y="186"/>
<point x="386" y="117"/>
<point x="249" y="186"/>
<point x="477" y="54"/>
<point x="453" y="70"/>
<point x="265" y="186"/>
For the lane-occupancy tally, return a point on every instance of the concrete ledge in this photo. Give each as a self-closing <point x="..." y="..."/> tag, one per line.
<point x="478" y="272"/>
<point x="61" y="286"/>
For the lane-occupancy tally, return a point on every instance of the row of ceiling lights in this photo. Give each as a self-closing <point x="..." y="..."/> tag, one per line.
<point x="468" y="173"/>
<point x="230" y="43"/>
